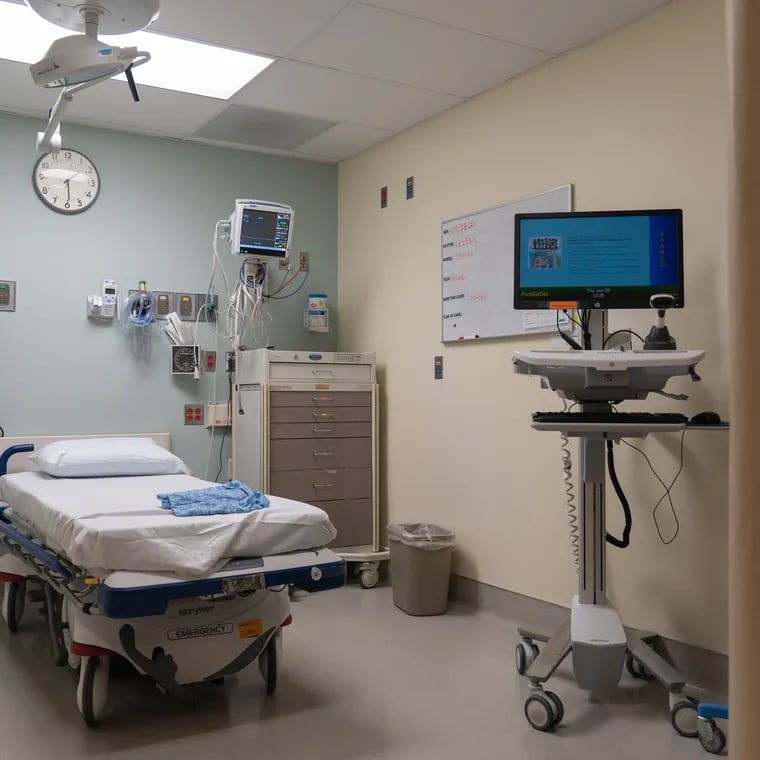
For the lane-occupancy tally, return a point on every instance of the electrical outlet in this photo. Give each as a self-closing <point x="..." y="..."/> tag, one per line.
<point x="7" y="295"/>
<point x="210" y="361"/>
<point x="438" y="368"/>
<point x="409" y="188"/>
<point x="229" y="361"/>
<point x="303" y="262"/>
<point x="193" y="414"/>
<point x="284" y="263"/>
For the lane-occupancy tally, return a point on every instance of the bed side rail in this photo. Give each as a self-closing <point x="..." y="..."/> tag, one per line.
<point x="24" y="546"/>
<point x="10" y="451"/>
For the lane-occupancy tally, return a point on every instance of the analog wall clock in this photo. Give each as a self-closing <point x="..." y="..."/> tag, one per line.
<point x="66" y="181"/>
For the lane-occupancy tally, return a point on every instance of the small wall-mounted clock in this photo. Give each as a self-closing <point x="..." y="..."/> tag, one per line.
<point x="66" y="181"/>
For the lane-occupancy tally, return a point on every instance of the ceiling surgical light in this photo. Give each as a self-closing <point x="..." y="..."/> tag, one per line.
<point x="78" y="61"/>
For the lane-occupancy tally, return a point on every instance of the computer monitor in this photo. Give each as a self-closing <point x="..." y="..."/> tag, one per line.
<point x="261" y="228"/>
<point x="598" y="259"/>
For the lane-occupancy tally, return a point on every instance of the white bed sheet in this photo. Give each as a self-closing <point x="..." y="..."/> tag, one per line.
<point x="107" y="524"/>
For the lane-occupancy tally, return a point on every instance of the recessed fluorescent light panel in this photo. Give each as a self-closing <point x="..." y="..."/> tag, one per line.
<point x="175" y="64"/>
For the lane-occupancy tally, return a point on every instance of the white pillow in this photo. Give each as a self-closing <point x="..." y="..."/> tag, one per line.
<point x="107" y="457"/>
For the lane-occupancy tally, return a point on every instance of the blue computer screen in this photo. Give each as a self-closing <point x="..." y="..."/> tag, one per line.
<point x="598" y="259"/>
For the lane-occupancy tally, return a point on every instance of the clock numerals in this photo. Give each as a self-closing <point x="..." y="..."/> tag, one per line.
<point x="66" y="181"/>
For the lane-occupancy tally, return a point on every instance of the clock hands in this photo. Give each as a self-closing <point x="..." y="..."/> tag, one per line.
<point x="67" y="182"/>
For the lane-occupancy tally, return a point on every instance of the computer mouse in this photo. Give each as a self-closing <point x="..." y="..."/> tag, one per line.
<point x="706" y="418"/>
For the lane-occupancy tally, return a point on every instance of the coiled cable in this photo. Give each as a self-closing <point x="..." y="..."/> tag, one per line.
<point x="572" y="507"/>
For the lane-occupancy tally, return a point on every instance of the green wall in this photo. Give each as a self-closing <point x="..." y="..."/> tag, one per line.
<point x="153" y="221"/>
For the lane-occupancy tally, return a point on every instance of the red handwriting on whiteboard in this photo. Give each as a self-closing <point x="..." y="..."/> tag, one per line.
<point x="479" y="296"/>
<point x="462" y="227"/>
<point x="465" y="254"/>
<point x="458" y="277"/>
<point x="467" y="241"/>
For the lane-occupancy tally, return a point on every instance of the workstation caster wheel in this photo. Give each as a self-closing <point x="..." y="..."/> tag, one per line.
<point x="526" y="653"/>
<point x="268" y="664"/>
<point x="14" y="601"/>
<point x="683" y="718"/>
<point x="54" y="604"/>
<point x="711" y="737"/>
<point x="637" y="670"/>
<point x="369" y="575"/>
<point x="544" y="710"/>
<point x="92" y="690"/>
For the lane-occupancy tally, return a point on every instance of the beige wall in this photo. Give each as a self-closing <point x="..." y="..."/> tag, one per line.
<point x="634" y="120"/>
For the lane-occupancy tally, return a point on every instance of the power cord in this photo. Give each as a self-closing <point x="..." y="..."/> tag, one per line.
<point x="624" y="542"/>
<point x="668" y="489"/>
<point x="617" y="332"/>
<point x="224" y="432"/>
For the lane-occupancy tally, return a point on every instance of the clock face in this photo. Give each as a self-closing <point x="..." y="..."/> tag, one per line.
<point x="67" y="181"/>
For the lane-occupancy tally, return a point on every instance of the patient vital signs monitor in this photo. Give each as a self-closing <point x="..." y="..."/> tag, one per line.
<point x="261" y="228"/>
<point x="598" y="260"/>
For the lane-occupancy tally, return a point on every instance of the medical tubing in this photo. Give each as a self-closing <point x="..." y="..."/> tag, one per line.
<point x="140" y="309"/>
<point x="621" y="543"/>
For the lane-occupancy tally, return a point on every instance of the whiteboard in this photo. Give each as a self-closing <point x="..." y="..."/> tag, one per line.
<point x="477" y="271"/>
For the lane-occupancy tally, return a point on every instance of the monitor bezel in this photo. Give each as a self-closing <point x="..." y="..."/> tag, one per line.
<point x="237" y="222"/>
<point x="634" y="301"/>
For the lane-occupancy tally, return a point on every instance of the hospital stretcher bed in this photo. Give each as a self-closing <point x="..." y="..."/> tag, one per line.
<point x="179" y="620"/>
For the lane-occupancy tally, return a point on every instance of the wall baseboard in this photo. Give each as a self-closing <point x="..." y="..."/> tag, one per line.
<point x="705" y="669"/>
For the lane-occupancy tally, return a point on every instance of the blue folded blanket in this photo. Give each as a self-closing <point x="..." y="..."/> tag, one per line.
<point x="228" y="499"/>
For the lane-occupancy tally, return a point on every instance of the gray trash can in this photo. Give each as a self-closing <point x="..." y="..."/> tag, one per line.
<point x="420" y="567"/>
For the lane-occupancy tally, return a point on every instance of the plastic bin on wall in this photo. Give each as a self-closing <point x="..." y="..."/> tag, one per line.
<point x="420" y="567"/>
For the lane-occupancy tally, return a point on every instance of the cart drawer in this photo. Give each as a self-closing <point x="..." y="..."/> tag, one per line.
<point x="352" y="519"/>
<point x="322" y="485"/>
<point x="303" y="454"/>
<point x="323" y="415"/>
<point x="279" y="430"/>
<point x="321" y="373"/>
<point x="320" y="398"/>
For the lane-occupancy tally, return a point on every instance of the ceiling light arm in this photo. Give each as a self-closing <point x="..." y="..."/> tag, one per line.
<point x="49" y="141"/>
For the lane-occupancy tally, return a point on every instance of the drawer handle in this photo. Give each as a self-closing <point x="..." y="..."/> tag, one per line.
<point x="322" y="372"/>
<point x="317" y="399"/>
<point x="324" y="453"/>
<point x="323" y="485"/>
<point x="316" y="431"/>
<point x="318" y="415"/>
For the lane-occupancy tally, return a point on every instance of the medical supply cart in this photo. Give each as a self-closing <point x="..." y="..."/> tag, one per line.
<point x="304" y="427"/>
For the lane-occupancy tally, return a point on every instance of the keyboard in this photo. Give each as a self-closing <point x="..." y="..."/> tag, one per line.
<point x="617" y="418"/>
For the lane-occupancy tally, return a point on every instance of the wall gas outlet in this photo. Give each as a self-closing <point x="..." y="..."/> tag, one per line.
<point x="193" y="414"/>
<point x="217" y="415"/>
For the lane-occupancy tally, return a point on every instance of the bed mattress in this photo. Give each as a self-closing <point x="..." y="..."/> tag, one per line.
<point x="108" y="524"/>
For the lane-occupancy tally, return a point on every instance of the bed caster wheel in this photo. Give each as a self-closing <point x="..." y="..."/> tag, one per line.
<point x="54" y="603"/>
<point x="14" y="601"/>
<point x="544" y="710"/>
<point x="92" y="691"/>
<point x="268" y="664"/>
<point x="711" y="737"/>
<point x="637" y="670"/>
<point x="526" y="653"/>
<point x="683" y="718"/>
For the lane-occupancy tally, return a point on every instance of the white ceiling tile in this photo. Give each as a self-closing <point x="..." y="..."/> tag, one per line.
<point x="162" y="111"/>
<point x="388" y="45"/>
<point x="110" y="104"/>
<point x="340" y="96"/>
<point x="273" y="27"/>
<point x="552" y="25"/>
<point x="18" y="91"/>
<point x="343" y="140"/>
